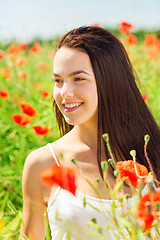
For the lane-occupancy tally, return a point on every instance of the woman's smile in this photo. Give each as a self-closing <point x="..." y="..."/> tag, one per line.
<point x="70" y="107"/>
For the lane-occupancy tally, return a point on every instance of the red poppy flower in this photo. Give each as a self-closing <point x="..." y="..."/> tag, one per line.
<point x="63" y="176"/>
<point x="21" y="119"/>
<point x="148" y="208"/>
<point x="42" y="66"/>
<point x="36" y="48"/>
<point x="2" y="54"/>
<point x="23" y="46"/>
<point x="125" y="27"/>
<point x="45" y="94"/>
<point x="14" y="49"/>
<point x="28" y="109"/>
<point x="6" y="74"/>
<point x="127" y="169"/>
<point x="4" y="94"/>
<point x="131" y="39"/>
<point x="150" y="40"/>
<point x="19" y="62"/>
<point x="22" y="76"/>
<point x="41" y="130"/>
<point x="144" y="96"/>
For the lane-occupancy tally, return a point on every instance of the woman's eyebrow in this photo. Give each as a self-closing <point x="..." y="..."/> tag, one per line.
<point x="72" y="74"/>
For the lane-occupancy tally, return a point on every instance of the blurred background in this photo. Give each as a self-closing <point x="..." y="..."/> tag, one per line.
<point x="26" y="20"/>
<point x="29" y="30"/>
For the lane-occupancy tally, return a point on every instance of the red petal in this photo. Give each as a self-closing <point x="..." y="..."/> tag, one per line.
<point x="28" y="109"/>
<point x="148" y="223"/>
<point x="47" y="177"/>
<point x="62" y="176"/>
<point x="41" y="130"/>
<point x="21" y="119"/>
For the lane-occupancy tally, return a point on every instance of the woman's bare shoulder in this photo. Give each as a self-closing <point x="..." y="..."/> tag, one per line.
<point x="37" y="161"/>
<point x="39" y="157"/>
<point x="42" y="157"/>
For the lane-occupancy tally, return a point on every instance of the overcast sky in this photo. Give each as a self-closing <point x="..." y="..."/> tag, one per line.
<point x="26" y="19"/>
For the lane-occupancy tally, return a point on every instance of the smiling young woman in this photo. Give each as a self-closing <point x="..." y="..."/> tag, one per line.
<point x="95" y="92"/>
<point x="75" y="90"/>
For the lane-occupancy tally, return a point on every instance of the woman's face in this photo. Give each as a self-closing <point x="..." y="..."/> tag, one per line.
<point x="75" y="90"/>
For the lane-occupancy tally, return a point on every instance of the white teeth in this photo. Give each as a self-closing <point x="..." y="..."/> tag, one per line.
<point x="72" y="105"/>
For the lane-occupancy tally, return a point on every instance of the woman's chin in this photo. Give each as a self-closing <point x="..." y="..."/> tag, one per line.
<point x="70" y="121"/>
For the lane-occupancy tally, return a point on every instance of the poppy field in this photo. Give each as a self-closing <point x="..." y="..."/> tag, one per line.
<point x="27" y="121"/>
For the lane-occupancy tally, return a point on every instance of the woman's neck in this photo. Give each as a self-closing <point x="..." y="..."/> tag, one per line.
<point x="86" y="135"/>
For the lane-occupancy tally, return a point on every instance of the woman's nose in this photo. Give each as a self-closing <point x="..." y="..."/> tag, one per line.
<point x="67" y="91"/>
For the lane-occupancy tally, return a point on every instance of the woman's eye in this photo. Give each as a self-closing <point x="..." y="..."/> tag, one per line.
<point x="78" y="79"/>
<point x="57" y="80"/>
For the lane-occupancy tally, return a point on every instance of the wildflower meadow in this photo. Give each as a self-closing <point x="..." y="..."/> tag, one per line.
<point x="27" y="121"/>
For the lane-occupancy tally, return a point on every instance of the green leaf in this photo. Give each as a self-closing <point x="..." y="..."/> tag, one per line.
<point x="73" y="161"/>
<point x="94" y="220"/>
<point x="98" y="180"/>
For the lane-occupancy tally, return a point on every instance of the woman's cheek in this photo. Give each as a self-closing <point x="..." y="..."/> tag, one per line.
<point x="55" y="93"/>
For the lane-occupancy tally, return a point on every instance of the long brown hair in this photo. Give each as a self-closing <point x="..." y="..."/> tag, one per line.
<point x="122" y="112"/>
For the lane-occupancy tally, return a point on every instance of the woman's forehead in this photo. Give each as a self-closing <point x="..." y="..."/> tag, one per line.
<point x="69" y="60"/>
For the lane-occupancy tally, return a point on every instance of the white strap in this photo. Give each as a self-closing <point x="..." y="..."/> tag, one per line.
<point x="53" y="154"/>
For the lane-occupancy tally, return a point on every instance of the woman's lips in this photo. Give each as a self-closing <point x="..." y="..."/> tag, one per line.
<point x="70" y="107"/>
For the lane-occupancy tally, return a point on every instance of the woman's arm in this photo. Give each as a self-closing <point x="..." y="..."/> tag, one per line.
<point x="33" y="204"/>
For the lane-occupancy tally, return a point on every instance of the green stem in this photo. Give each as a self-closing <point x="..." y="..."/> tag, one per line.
<point x="92" y="185"/>
<point x="149" y="163"/>
<point x="107" y="184"/>
<point x="92" y="206"/>
<point x="110" y="151"/>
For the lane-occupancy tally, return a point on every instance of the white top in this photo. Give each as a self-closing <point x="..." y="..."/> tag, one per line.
<point x="67" y="213"/>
